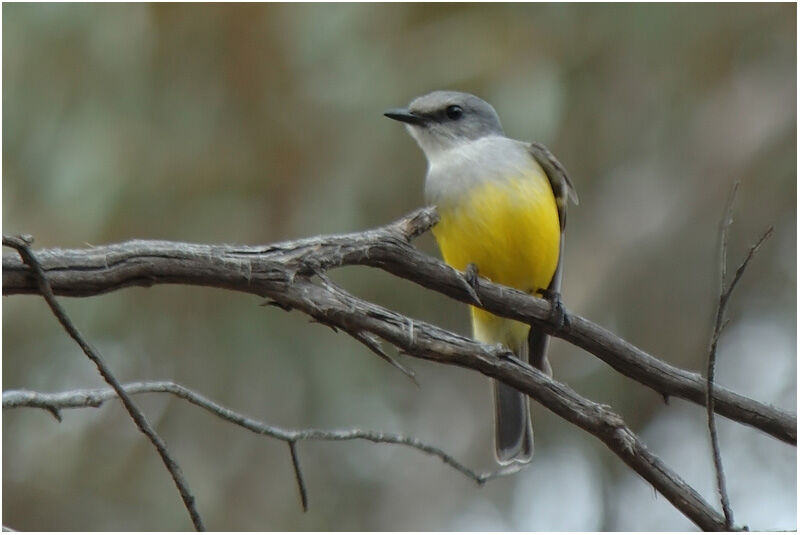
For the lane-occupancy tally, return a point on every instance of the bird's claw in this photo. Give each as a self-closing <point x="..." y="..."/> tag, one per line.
<point x="470" y="277"/>
<point x="558" y="313"/>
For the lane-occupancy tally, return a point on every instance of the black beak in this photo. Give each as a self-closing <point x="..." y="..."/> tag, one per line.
<point x="405" y="116"/>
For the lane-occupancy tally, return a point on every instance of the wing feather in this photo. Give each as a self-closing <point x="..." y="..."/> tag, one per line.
<point x="564" y="191"/>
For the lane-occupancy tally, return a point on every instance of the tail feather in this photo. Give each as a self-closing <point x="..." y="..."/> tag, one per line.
<point x="513" y="429"/>
<point x="538" y="343"/>
<point x="513" y="426"/>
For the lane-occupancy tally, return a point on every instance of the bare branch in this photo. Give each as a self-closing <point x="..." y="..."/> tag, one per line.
<point x="76" y="399"/>
<point x="283" y="274"/>
<point x="22" y="245"/>
<point x="432" y="343"/>
<point x="719" y="325"/>
<point x="267" y="270"/>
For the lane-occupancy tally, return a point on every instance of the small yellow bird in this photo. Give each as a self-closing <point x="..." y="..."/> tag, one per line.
<point x="502" y="206"/>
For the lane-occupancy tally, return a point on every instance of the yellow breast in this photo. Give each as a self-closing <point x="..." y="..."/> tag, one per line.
<point x="509" y="229"/>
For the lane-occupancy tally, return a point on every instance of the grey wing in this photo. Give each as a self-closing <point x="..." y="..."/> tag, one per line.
<point x="564" y="191"/>
<point x="558" y="177"/>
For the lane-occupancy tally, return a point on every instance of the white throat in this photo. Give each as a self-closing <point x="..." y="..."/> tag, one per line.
<point x="453" y="171"/>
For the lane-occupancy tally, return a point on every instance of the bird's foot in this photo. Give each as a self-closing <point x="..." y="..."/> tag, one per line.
<point x="558" y="313"/>
<point x="470" y="277"/>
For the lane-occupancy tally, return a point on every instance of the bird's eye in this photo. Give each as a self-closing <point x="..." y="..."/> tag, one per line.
<point x="454" y="112"/>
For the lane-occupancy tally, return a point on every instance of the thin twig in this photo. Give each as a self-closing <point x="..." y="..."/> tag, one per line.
<point x="22" y="245"/>
<point x="719" y="325"/>
<point x="367" y="339"/>
<point x="76" y="399"/>
<point x="374" y="345"/>
<point x="727" y="219"/>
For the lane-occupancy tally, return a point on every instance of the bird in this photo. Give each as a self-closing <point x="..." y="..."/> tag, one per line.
<point x="502" y="212"/>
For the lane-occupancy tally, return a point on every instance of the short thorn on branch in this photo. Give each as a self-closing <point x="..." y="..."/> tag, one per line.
<point x="301" y="485"/>
<point x="471" y="282"/>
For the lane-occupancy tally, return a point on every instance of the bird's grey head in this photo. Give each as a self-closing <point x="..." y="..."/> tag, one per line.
<point x="445" y="119"/>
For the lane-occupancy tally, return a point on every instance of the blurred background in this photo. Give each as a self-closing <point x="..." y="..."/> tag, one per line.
<point x="256" y="123"/>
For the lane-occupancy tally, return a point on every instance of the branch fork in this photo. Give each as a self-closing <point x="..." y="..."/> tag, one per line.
<point x="283" y="273"/>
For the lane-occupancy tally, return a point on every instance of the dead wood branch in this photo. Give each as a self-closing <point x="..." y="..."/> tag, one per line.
<point x="725" y="293"/>
<point x="285" y="273"/>
<point x="22" y="245"/>
<point x="85" y="398"/>
<point x="269" y="270"/>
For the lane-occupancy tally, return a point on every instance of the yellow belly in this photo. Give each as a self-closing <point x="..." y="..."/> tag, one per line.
<point x="510" y="231"/>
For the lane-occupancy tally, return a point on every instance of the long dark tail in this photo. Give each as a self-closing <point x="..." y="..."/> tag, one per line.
<point x="537" y="349"/>
<point x="513" y="427"/>
<point x="512" y="422"/>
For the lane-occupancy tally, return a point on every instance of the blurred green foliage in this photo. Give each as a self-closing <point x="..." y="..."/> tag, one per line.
<point x="250" y="123"/>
